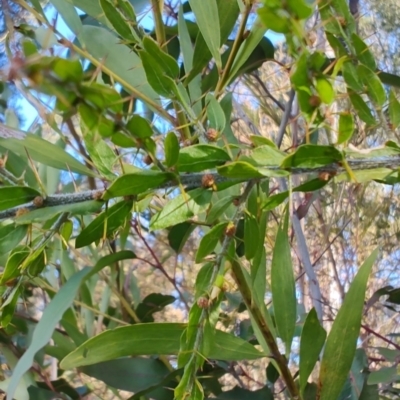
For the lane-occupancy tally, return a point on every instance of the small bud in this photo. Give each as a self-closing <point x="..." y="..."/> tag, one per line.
<point x="207" y="181"/>
<point x="38" y="201"/>
<point x="212" y="135"/>
<point x="236" y="201"/>
<point x="97" y="195"/>
<point x="21" y="211"/>
<point x="203" y="302"/>
<point x="246" y="34"/>
<point x="230" y="230"/>
<point x="147" y="160"/>
<point x="314" y="101"/>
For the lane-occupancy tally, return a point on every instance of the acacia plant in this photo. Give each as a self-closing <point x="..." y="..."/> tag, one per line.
<point x="153" y="230"/>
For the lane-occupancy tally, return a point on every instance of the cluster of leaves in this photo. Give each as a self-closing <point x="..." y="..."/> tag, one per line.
<point x="119" y="81"/>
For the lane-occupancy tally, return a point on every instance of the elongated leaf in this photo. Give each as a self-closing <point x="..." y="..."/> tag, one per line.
<point x="101" y="155"/>
<point x="136" y="183"/>
<point x="265" y="155"/>
<point x="375" y="88"/>
<point x="131" y="374"/>
<point x="228" y="12"/>
<point x="105" y="224"/>
<point x="153" y="338"/>
<point x="44" y="329"/>
<point x="312" y="156"/>
<point x="181" y="208"/>
<point x="46" y="153"/>
<point x="207" y="18"/>
<point x="215" y="113"/>
<point x="10" y="236"/>
<point x="69" y="14"/>
<point x="351" y="77"/>
<point x="394" y="110"/>
<point x="363" y="52"/>
<point x="312" y="340"/>
<point x="11" y="196"/>
<point x="201" y="157"/>
<point x="119" y="59"/>
<point x="283" y="286"/>
<point x="164" y="60"/>
<point x="251" y="237"/>
<point x="346" y="127"/>
<point x="240" y="170"/>
<point x="210" y="240"/>
<point x="117" y="20"/>
<point x="171" y="146"/>
<point x="257" y="32"/>
<point x="362" y="109"/>
<point x="338" y="355"/>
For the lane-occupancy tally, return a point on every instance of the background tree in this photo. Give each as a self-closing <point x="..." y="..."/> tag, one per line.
<point x="199" y="213"/>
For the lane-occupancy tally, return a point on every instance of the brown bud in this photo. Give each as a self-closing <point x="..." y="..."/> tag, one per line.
<point x="314" y="101"/>
<point x="203" y="302"/>
<point x="230" y="230"/>
<point x="246" y="34"/>
<point x="97" y="195"/>
<point x="207" y="181"/>
<point x="21" y="211"/>
<point x="147" y="160"/>
<point x="212" y="135"/>
<point x="236" y="201"/>
<point x="38" y="201"/>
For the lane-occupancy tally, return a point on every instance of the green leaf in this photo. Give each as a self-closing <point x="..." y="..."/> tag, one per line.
<point x="394" y="110"/>
<point x="363" y="53"/>
<point x="11" y="196"/>
<point x="338" y="355"/>
<point x="15" y="259"/>
<point x="118" y="21"/>
<point x="171" y="148"/>
<point x="10" y="236"/>
<point x="346" y="127"/>
<point x="251" y="237"/>
<point x="46" y="153"/>
<point x="181" y="208"/>
<point x="274" y="201"/>
<point x="105" y="224"/>
<point x="300" y="8"/>
<point x="149" y="339"/>
<point x="257" y="32"/>
<point x="283" y="286"/>
<point x="158" y="80"/>
<point x="44" y="329"/>
<point x="101" y="155"/>
<point x="274" y="20"/>
<point x="312" y="156"/>
<point x="312" y="340"/>
<point x="69" y="15"/>
<point x="144" y="373"/>
<point x="139" y="127"/>
<point x="215" y="113"/>
<point x="375" y="88"/>
<point x="363" y="111"/>
<point x="350" y="76"/>
<point x="120" y="60"/>
<point x="165" y="61"/>
<point x="137" y="183"/>
<point x="178" y="235"/>
<point x="383" y="375"/>
<point x="265" y="155"/>
<point x="47" y="213"/>
<point x="210" y="240"/>
<point x="228" y="12"/>
<point x="240" y="170"/>
<point x="207" y="18"/>
<point x="325" y="90"/>
<point x="201" y="157"/>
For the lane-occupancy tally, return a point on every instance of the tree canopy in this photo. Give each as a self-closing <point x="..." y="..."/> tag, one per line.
<point x="198" y="199"/>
